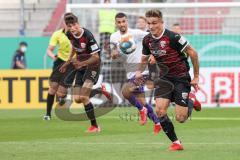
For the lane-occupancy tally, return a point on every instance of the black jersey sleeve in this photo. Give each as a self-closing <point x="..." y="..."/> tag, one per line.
<point x="145" y="49"/>
<point x="178" y="42"/>
<point x="92" y="45"/>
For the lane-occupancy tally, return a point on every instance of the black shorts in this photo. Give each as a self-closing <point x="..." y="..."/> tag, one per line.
<point x="174" y="89"/>
<point x="56" y="75"/>
<point x="71" y="74"/>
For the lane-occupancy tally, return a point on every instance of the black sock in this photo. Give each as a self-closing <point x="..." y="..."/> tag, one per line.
<point x="190" y="107"/>
<point x="50" y="100"/>
<point x="90" y="114"/>
<point x="168" y="128"/>
<point x="95" y="92"/>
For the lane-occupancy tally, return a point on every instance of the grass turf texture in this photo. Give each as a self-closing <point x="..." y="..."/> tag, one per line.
<point x="212" y="134"/>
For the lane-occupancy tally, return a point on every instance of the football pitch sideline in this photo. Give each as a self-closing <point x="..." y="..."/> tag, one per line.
<point x="212" y="134"/>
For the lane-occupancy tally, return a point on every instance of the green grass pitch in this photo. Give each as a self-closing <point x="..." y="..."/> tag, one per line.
<point x="213" y="134"/>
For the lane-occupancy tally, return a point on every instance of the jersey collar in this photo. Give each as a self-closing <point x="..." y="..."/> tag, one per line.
<point x="80" y="34"/>
<point x="160" y="35"/>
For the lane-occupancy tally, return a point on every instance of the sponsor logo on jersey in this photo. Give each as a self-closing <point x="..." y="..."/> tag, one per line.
<point x="94" y="47"/>
<point x="83" y="45"/>
<point x="163" y="44"/>
<point x="182" y="40"/>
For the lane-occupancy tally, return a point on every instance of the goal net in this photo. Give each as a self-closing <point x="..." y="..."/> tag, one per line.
<point x="213" y="29"/>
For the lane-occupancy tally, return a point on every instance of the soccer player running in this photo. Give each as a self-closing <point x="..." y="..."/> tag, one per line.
<point x="174" y="85"/>
<point x="85" y="66"/>
<point x="133" y="92"/>
<point x="60" y="40"/>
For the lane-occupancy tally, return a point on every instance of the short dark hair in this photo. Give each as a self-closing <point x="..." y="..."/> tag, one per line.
<point x="23" y="44"/>
<point x="120" y="15"/>
<point x="154" y="13"/>
<point x="70" y="18"/>
<point x="176" y="24"/>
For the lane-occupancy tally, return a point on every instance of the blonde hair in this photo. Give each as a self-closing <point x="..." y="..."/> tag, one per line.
<point x="142" y="17"/>
<point x="154" y="13"/>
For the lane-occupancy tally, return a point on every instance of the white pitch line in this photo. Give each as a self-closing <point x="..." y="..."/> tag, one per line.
<point x="119" y="143"/>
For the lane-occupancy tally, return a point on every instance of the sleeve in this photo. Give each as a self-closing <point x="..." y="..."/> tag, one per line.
<point x="145" y="49"/>
<point x="54" y="39"/>
<point x="92" y="45"/>
<point x="113" y="44"/>
<point x="179" y="42"/>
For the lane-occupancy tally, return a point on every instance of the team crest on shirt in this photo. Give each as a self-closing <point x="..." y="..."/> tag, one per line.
<point x="83" y="45"/>
<point x="163" y="43"/>
<point x="184" y="95"/>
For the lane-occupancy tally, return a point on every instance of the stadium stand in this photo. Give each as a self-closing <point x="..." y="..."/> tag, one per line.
<point x="37" y="13"/>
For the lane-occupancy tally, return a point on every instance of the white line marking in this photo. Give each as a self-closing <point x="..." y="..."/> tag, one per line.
<point x="119" y="143"/>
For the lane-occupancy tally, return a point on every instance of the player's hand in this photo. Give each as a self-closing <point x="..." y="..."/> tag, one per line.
<point x="115" y="54"/>
<point x="152" y="60"/>
<point x="194" y="83"/>
<point x="55" y="58"/>
<point x="77" y="64"/>
<point x="139" y="78"/>
<point x="63" y="68"/>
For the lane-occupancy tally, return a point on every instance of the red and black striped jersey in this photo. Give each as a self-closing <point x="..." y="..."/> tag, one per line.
<point x="84" y="45"/>
<point x="168" y="51"/>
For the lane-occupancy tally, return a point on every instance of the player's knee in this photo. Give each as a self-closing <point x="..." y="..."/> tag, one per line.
<point x="52" y="89"/>
<point x="61" y="94"/>
<point x="160" y="112"/>
<point x="81" y="99"/>
<point x="181" y="118"/>
<point x="125" y="93"/>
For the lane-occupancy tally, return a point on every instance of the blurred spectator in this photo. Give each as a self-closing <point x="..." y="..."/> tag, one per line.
<point x="19" y="60"/>
<point x="142" y="23"/>
<point x="176" y="28"/>
<point x="217" y="99"/>
<point x="106" y="28"/>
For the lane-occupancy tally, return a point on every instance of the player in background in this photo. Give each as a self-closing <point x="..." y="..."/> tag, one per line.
<point x="58" y="40"/>
<point x="175" y="84"/>
<point x="176" y="28"/>
<point x="131" y="90"/>
<point x="85" y="67"/>
<point x="142" y="23"/>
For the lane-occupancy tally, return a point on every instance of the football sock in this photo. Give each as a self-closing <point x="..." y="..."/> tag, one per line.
<point x="50" y="101"/>
<point x="190" y="107"/>
<point x="168" y="128"/>
<point x="151" y="114"/>
<point x="135" y="102"/>
<point x="90" y="114"/>
<point x="95" y="92"/>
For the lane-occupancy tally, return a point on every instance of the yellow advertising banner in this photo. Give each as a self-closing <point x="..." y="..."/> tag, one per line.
<point x="23" y="88"/>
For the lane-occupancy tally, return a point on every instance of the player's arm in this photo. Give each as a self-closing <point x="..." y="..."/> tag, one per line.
<point x="50" y="53"/>
<point x="94" y="50"/>
<point x="20" y="65"/>
<point x="52" y="44"/>
<point x="70" y="58"/>
<point x="114" y="48"/>
<point x="191" y="52"/>
<point x="114" y="51"/>
<point x="144" y="60"/>
<point x="183" y="46"/>
<point x="93" y="60"/>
